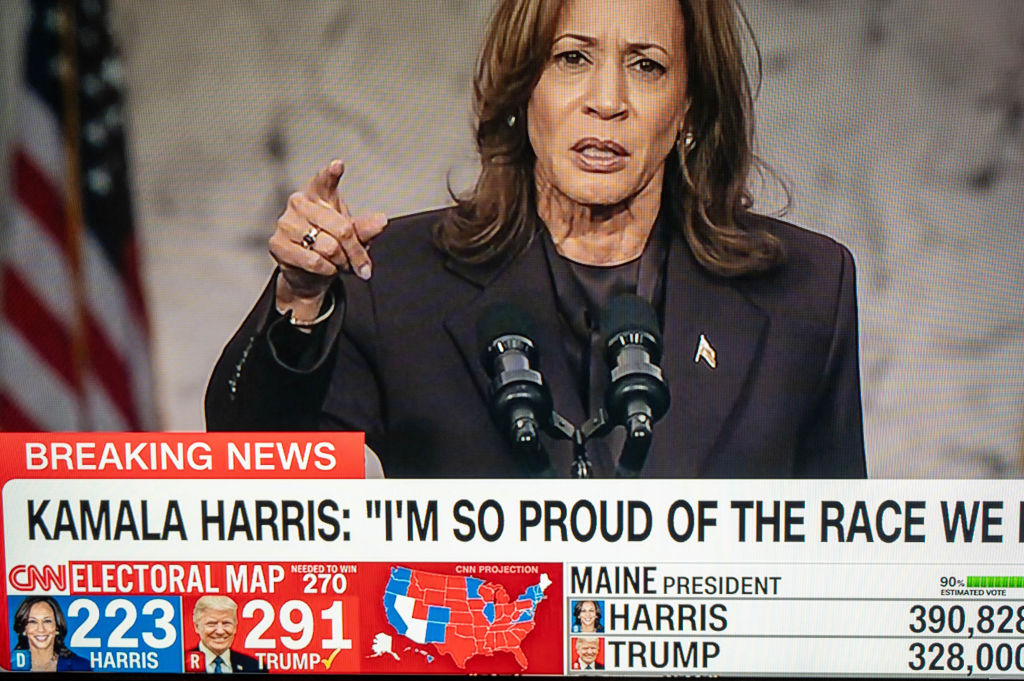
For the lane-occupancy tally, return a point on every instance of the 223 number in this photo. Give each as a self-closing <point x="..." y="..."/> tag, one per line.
<point x="163" y="624"/>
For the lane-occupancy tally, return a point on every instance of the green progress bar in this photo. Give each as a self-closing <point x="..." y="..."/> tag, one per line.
<point x="996" y="582"/>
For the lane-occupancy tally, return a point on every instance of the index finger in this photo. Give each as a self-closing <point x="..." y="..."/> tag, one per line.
<point x="324" y="185"/>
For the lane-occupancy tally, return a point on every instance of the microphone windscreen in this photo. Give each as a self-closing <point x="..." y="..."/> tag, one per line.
<point x="501" y="319"/>
<point x="628" y="312"/>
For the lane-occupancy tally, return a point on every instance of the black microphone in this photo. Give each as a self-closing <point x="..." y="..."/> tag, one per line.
<point x="520" y="401"/>
<point x="638" y="395"/>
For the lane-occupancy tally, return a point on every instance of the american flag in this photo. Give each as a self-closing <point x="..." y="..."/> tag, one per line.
<point x="74" y="343"/>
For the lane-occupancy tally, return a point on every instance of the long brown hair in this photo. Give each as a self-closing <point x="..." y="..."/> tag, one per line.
<point x="706" y="182"/>
<point x="21" y="617"/>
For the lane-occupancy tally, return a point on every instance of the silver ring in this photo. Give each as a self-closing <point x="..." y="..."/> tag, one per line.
<point x="309" y="239"/>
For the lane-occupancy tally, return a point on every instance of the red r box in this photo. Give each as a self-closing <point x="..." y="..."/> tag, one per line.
<point x="195" y="661"/>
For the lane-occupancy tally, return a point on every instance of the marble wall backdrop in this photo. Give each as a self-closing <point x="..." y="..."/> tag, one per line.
<point x="898" y="124"/>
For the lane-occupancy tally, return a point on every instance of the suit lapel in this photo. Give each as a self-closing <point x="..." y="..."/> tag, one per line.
<point x="702" y="397"/>
<point x="526" y="282"/>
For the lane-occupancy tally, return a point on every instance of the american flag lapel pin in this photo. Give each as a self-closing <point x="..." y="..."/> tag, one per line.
<point x="705" y="352"/>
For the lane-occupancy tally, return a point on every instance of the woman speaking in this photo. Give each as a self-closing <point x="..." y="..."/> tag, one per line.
<point x="605" y="273"/>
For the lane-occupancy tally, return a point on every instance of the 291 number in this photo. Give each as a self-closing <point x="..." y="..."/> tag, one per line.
<point x="295" y="617"/>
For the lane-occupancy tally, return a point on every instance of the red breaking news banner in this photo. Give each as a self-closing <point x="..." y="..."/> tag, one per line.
<point x="182" y="455"/>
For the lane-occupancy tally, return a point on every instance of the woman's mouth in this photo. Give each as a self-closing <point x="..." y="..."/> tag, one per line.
<point x="599" y="156"/>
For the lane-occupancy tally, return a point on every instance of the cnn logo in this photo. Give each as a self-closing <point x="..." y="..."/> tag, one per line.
<point x="36" y="578"/>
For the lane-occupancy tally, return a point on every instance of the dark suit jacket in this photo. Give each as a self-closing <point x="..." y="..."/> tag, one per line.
<point x="401" y="364"/>
<point x="240" y="662"/>
<point x="73" y="663"/>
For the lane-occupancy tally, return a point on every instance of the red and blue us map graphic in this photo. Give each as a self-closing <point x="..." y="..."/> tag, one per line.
<point x="457" y="617"/>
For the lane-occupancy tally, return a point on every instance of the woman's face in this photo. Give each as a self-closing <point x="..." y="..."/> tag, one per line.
<point x="41" y="627"/>
<point x="609" y="104"/>
<point x="588" y="614"/>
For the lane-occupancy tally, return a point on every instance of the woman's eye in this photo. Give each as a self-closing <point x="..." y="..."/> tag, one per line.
<point x="571" y="58"/>
<point x="647" y="65"/>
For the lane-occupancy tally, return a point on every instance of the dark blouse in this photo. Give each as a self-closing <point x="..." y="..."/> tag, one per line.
<point x="582" y="292"/>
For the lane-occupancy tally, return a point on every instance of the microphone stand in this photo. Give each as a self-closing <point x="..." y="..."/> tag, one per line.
<point x="634" y="449"/>
<point x="561" y="429"/>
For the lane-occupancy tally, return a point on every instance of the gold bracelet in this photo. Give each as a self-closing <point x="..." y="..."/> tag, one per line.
<point x="307" y="323"/>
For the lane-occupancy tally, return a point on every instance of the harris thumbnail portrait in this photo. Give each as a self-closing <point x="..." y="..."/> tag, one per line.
<point x="41" y="629"/>
<point x="615" y="141"/>
<point x="588" y="617"/>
